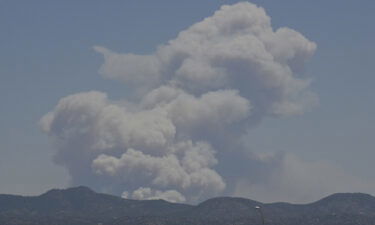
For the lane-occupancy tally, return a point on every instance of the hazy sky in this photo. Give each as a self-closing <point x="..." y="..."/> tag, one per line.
<point x="46" y="53"/>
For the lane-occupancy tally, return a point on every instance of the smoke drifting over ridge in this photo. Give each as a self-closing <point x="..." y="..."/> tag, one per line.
<point x="194" y="98"/>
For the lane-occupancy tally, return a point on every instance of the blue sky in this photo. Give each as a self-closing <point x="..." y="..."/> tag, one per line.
<point x="46" y="54"/>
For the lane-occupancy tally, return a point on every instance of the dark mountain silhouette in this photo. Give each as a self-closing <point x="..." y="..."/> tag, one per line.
<point x="82" y="206"/>
<point x="78" y="205"/>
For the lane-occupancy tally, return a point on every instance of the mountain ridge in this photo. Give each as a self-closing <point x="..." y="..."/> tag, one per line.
<point x="83" y="206"/>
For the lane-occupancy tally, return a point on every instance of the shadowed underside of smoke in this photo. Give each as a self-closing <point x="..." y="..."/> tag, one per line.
<point x="194" y="98"/>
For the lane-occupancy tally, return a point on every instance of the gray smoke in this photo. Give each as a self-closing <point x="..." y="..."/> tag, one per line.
<point x="178" y="136"/>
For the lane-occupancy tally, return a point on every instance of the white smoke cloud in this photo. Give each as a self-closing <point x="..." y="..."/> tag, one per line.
<point x="150" y="194"/>
<point x="191" y="171"/>
<point x="194" y="98"/>
<point x="94" y="132"/>
<point x="236" y="48"/>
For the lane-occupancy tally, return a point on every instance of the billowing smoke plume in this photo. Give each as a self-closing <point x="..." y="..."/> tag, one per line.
<point x="193" y="99"/>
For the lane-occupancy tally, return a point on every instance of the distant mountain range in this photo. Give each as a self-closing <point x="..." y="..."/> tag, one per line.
<point x="82" y="206"/>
